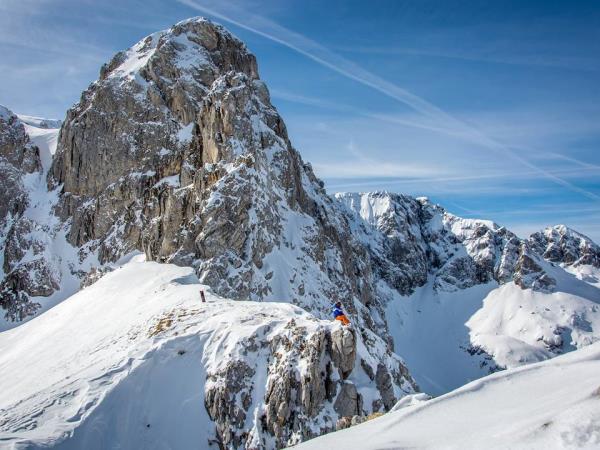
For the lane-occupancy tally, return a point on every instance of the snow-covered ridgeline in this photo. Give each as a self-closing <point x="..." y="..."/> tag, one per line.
<point x="138" y="375"/>
<point x="478" y="303"/>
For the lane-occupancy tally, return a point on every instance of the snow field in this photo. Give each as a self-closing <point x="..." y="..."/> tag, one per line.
<point x="549" y="405"/>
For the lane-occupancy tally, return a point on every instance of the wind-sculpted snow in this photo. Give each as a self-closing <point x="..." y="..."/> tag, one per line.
<point x="550" y="405"/>
<point x="137" y="357"/>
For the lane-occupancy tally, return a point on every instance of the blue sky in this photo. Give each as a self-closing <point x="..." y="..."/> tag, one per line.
<point x="490" y="108"/>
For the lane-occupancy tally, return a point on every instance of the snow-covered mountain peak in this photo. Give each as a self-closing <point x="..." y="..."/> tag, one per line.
<point x="563" y="245"/>
<point x="189" y="56"/>
<point x="377" y="208"/>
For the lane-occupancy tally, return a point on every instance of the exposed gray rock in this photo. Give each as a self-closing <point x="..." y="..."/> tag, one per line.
<point x="302" y="389"/>
<point x="348" y="401"/>
<point x="229" y="415"/>
<point x="343" y="349"/>
<point x="529" y="273"/>
<point x="420" y="239"/>
<point x="562" y="245"/>
<point x="15" y="146"/>
<point x="385" y="385"/>
<point x="25" y="270"/>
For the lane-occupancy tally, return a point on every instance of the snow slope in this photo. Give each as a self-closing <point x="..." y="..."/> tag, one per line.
<point x="450" y="338"/>
<point x="549" y="405"/>
<point x="126" y="362"/>
<point x="519" y="326"/>
<point x="44" y="134"/>
<point x="60" y="368"/>
<point x="40" y="122"/>
<point x="587" y="273"/>
<point x="429" y="332"/>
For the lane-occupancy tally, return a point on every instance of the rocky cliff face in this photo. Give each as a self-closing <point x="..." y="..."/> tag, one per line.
<point x="423" y="240"/>
<point x="560" y="244"/>
<point x="25" y="270"/>
<point x="176" y="151"/>
<point x="307" y="386"/>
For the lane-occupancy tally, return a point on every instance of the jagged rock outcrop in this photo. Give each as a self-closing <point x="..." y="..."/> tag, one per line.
<point x="304" y="394"/>
<point x="343" y="350"/>
<point x="15" y="146"/>
<point x="421" y="239"/>
<point x="562" y="245"/>
<point x="348" y="402"/>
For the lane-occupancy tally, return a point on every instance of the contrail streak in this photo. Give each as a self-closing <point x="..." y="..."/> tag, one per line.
<point x="271" y="30"/>
<point x="318" y="53"/>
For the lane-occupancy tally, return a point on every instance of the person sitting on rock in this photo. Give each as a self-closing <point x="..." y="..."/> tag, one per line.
<point x="338" y="314"/>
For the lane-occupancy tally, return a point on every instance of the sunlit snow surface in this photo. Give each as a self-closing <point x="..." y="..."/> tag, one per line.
<point x="122" y="363"/>
<point x="433" y="331"/>
<point x="549" y="405"/>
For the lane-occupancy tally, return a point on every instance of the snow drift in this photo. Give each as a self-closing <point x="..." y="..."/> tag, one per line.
<point x="553" y="404"/>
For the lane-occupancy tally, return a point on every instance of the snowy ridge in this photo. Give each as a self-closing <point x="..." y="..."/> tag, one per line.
<point x="125" y="382"/>
<point x="553" y="404"/>
<point x="45" y="138"/>
<point x="40" y="122"/>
